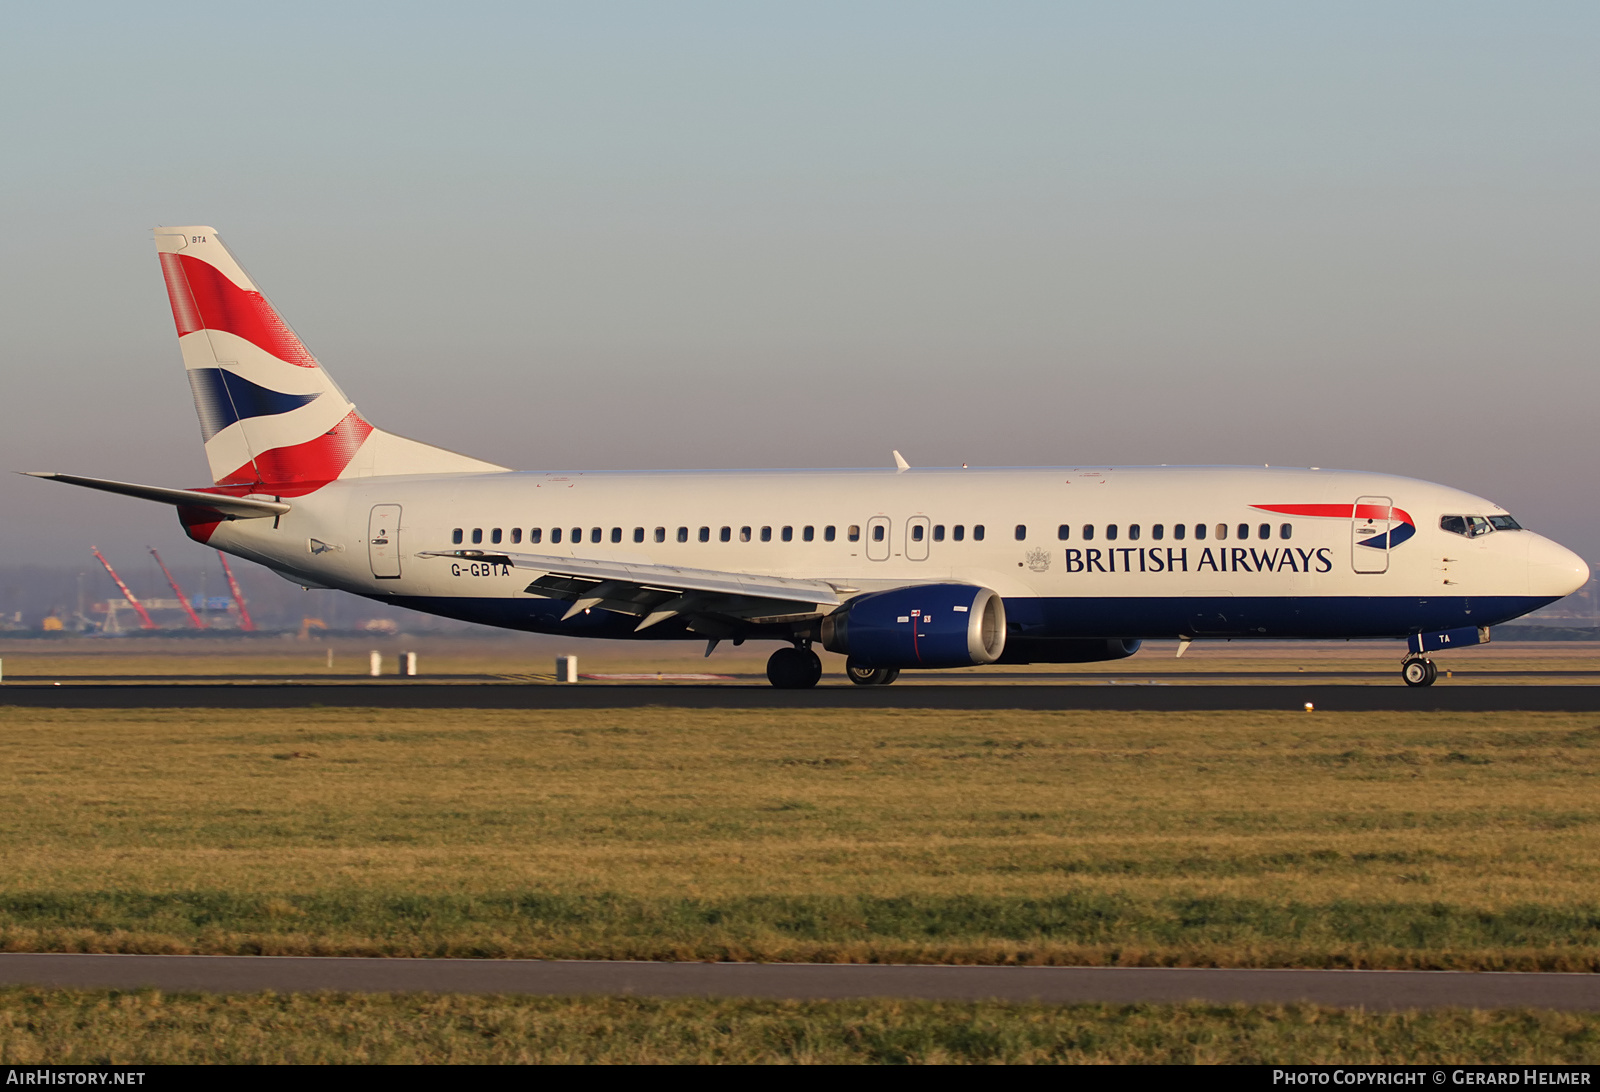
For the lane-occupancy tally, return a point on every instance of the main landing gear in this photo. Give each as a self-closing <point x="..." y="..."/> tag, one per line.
<point x="794" y="669"/>
<point x="1418" y="672"/>
<point x="862" y="675"/>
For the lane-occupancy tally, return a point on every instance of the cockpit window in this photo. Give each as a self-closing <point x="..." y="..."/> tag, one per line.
<point x="1474" y="526"/>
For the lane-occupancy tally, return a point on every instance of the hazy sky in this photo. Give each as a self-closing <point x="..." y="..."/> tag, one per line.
<point x="602" y="236"/>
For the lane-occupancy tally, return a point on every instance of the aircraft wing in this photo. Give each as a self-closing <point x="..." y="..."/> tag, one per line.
<point x="655" y="593"/>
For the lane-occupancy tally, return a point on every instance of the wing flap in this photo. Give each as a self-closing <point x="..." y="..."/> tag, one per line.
<point x="654" y="593"/>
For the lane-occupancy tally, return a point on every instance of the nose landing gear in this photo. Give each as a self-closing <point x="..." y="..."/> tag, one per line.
<point x="1418" y="672"/>
<point x="794" y="669"/>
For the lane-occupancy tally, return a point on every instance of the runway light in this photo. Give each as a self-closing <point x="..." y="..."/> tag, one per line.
<point x="1310" y="708"/>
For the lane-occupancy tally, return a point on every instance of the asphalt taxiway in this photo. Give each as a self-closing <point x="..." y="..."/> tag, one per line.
<point x="807" y="981"/>
<point x="1152" y="696"/>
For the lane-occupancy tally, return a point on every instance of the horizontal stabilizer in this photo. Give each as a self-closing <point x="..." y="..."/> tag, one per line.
<point x="232" y="507"/>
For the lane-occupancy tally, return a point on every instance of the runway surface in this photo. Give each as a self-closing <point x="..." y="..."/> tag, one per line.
<point x="807" y="981"/>
<point x="1154" y="696"/>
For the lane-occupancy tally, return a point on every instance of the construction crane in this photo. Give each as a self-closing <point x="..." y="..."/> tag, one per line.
<point x="145" y="621"/>
<point x="188" y="608"/>
<point x="238" y="597"/>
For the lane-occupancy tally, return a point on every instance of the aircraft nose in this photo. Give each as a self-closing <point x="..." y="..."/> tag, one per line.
<point x="1553" y="569"/>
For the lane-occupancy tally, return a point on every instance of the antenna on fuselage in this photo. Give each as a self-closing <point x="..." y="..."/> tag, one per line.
<point x="900" y="463"/>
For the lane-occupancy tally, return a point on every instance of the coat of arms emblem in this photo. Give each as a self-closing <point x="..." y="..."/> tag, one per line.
<point x="1038" y="559"/>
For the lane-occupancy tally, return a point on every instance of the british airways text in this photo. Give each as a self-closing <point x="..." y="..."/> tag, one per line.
<point x="1235" y="559"/>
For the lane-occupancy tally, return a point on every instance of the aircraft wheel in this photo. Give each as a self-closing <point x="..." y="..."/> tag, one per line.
<point x="1419" y="672"/>
<point x="794" y="669"/>
<point x="862" y="675"/>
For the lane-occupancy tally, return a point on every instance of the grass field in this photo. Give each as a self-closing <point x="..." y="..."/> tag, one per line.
<point x="1374" y="840"/>
<point x="98" y="1027"/>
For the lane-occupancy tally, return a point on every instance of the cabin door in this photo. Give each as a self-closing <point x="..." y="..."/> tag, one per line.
<point x="1369" y="534"/>
<point x="383" y="541"/>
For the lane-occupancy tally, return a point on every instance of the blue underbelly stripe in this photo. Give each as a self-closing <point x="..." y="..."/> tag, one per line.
<point x="1265" y="617"/>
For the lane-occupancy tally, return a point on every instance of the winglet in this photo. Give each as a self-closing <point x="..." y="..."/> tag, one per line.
<point x="900" y="463"/>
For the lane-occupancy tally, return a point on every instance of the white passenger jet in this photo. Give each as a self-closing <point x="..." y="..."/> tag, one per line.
<point x="895" y="568"/>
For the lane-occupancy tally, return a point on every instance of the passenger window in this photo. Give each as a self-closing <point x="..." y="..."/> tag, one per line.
<point x="705" y="534"/>
<point x="766" y="534"/>
<point x="516" y="535"/>
<point x="1180" y="531"/>
<point x="1158" y="532"/>
<point x="577" y="535"/>
<point x="788" y="534"/>
<point x="638" y="534"/>
<point x="1088" y="532"/>
<point x="535" y="534"/>
<point x="1286" y="530"/>
<point x="938" y="532"/>
<point x="555" y="534"/>
<point x="1244" y="532"/>
<point x="958" y="532"/>
<point x="828" y="533"/>
<point x="495" y="536"/>
<point x="1022" y="532"/>
<point x="1133" y="532"/>
<point x="661" y="534"/>
<point x="877" y="532"/>
<point x="809" y="534"/>
<point x="977" y="532"/>
<point x="1199" y="532"/>
<point x="744" y="534"/>
<point x="1222" y="531"/>
<point x="455" y="536"/>
<point x="853" y="532"/>
<point x="916" y="532"/>
<point x="477" y="536"/>
<point x="683" y="534"/>
<point x="616" y="534"/>
<point x="596" y="534"/>
<point x="1264" y="531"/>
<point x="1111" y="532"/>
<point x="726" y="534"/>
<point x="1063" y="532"/>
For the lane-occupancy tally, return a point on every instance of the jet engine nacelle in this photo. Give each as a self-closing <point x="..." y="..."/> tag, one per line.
<point x="930" y="625"/>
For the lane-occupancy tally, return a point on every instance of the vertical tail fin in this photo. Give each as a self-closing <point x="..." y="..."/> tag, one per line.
<point x="270" y="415"/>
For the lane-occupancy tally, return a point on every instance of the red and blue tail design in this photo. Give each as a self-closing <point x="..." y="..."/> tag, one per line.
<point x="272" y="419"/>
<point x="1401" y="525"/>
